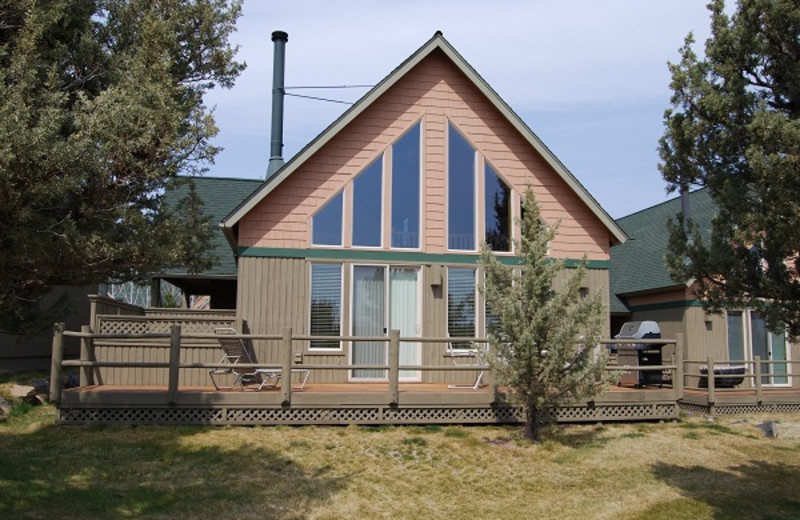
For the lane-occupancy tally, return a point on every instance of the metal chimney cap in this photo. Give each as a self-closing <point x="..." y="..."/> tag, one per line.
<point x="280" y="35"/>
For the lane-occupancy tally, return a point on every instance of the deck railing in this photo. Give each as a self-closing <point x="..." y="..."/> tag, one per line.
<point x="757" y="373"/>
<point x="177" y="342"/>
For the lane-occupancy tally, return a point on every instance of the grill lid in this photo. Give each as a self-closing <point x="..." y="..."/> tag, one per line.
<point x="639" y="330"/>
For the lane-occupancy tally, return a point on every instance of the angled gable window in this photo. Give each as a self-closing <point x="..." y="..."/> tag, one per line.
<point x="497" y="199"/>
<point x="460" y="192"/>
<point x="326" y="224"/>
<point x="368" y="206"/>
<point x="406" y="190"/>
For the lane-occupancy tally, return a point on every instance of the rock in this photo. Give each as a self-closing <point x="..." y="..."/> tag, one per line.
<point x="22" y="391"/>
<point x="769" y="429"/>
<point x="5" y="408"/>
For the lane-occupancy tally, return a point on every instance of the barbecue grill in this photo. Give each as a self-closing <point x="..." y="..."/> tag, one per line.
<point x="640" y="354"/>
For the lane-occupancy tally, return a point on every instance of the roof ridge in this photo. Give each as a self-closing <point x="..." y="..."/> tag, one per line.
<point x="663" y="203"/>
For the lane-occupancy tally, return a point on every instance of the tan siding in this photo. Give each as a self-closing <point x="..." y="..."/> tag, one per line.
<point x="278" y="298"/>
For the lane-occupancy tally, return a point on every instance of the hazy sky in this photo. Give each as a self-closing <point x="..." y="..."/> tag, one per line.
<point x="589" y="77"/>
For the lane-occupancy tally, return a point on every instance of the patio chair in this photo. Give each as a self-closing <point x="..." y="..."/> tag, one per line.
<point x="478" y="355"/>
<point x="234" y="353"/>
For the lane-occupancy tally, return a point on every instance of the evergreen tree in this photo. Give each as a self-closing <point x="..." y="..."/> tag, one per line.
<point x="543" y="331"/>
<point x="101" y="109"/>
<point x="733" y="128"/>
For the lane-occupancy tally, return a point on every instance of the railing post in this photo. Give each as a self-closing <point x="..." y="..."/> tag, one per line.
<point x="394" y="366"/>
<point x="286" y="366"/>
<point x="711" y="385"/>
<point x="677" y="378"/>
<point x="758" y="381"/>
<point x="87" y="354"/>
<point x="93" y="312"/>
<point x="55" y="363"/>
<point x="174" y="362"/>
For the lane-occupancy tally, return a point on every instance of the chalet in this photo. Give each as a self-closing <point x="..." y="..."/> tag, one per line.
<point x="356" y="269"/>
<point x="377" y="223"/>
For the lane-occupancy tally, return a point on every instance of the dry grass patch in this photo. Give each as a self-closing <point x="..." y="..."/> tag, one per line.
<point x="692" y="469"/>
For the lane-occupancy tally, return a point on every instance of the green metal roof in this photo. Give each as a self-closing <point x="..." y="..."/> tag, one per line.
<point x="220" y="195"/>
<point x="638" y="265"/>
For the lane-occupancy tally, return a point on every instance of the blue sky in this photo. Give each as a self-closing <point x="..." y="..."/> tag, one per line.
<point x="589" y="77"/>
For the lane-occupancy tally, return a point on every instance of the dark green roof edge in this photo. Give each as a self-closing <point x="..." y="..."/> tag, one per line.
<point x="392" y="256"/>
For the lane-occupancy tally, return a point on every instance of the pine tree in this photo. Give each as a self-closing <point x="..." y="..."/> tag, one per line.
<point x="733" y="128"/>
<point x="101" y="110"/>
<point x="543" y="330"/>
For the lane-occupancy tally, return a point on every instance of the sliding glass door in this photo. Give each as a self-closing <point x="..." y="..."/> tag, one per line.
<point x="384" y="298"/>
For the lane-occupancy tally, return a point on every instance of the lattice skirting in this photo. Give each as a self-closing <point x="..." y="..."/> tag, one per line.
<point x="732" y="409"/>
<point x="505" y="414"/>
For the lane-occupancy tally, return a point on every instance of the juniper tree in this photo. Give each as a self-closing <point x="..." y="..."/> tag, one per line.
<point x="101" y="109"/>
<point x="542" y="329"/>
<point x="734" y="128"/>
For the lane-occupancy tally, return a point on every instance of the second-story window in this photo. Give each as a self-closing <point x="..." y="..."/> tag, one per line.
<point x="368" y="205"/>
<point x="460" y="192"/>
<point x="326" y="224"/>
<point x="406" y="190"/>
<point x="497" y="205"/>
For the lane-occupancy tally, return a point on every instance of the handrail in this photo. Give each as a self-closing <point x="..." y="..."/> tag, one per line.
<point x="175" y="341"/>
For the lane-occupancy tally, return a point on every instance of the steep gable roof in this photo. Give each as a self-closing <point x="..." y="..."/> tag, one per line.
<point x="437" y="42"/>
<point x="638" y="265"/>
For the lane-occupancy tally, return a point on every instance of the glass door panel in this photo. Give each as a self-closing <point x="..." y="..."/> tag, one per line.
<point x="404" y="316"/>
<point x="760" y="343"/>
<point x="778" y="353"/>
<point x="770" y="347"/>
<point x="369" y="319"/>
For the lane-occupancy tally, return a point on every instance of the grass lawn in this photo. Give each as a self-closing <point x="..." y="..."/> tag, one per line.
<point x="692" y="469"/>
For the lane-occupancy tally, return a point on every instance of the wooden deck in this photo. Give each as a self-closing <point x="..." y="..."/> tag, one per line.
<point x="177" y="389"/>
<point x="341" y="404"/>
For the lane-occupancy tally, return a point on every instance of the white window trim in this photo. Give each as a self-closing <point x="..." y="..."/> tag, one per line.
<point x="341" y="305"/>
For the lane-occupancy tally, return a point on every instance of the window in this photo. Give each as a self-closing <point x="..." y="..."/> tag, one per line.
<point x="326" y="304"/>
<point x="460" y="193"/>
<point x="460" y="305"/>
<point x="326" y="224"/>
<point x="735" y="336"/>
<point x="405" y="190"/>
<point x="368" y="206"/>
<point x="749" y="337"/>
<point x="497" y="198"/>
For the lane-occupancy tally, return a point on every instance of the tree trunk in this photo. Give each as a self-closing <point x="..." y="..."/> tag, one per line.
<point x="532" y="423"/>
